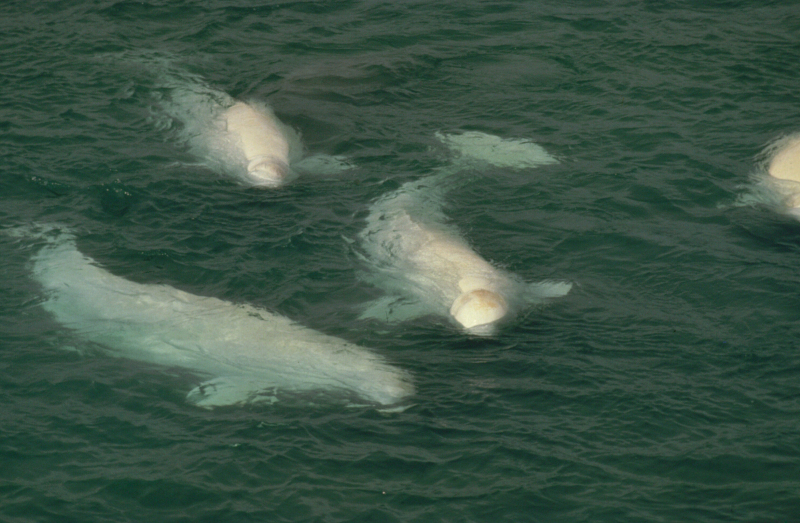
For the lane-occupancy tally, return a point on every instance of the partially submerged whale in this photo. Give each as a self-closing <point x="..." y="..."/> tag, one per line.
<point x="249" y="354"/>
<point x="785" y="165"/>
<point x="243" y="139"/>
<point x="426" y="266"/>
<point x="263" y="141"/>
<point x="434" y="264"/>
<point x="477" y="148"/>
<point x="784" y="168"/>
<point x="776" y="179"/>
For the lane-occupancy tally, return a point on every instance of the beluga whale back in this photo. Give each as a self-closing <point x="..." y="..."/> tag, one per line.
<point x="248" y="354"/>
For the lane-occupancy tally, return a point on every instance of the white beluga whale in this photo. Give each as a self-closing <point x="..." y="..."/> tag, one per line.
<point x="249" y="354"/>
<point x="785" y="165"/>
<point x="427" y="267"/>
<point x="262" y="140"/>
<point x="243" y="139"/>
<point x="784" y="169"/>
<point x="776" y="179"/>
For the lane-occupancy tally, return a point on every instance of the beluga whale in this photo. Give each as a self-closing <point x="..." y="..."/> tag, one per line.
<point x="245" y="354"/>
<point x="784" y="170"/>
<point x="785" y="165"/>
<point x="425" y="264"/>
<point x="263" y="141"/>
<point x="239" y="137"/>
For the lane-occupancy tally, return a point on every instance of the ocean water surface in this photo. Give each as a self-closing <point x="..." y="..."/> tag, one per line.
<point x="664" y="387"/>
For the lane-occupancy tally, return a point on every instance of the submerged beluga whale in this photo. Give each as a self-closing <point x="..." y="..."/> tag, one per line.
<point x="426" y="266"/>
<point x="250" y="355"/>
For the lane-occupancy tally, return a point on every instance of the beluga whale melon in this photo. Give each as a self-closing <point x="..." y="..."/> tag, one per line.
<point x="785" y="165"/>
<point x="784" y="170"/>
<point x="775" y="182"/>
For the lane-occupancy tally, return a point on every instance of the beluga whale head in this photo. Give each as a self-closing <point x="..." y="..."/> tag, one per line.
<point x="479" y="310"/>
<point x="784" y="172"/>
<point x="785" y="165"/>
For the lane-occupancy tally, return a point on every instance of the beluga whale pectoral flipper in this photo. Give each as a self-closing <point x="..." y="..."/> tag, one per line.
<point x="248" y="353"/>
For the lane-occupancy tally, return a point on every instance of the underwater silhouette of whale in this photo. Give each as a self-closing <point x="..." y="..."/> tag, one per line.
<point x="248" y="353"/>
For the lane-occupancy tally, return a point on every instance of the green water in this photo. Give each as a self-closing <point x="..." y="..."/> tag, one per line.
<point x="664" y="388"/>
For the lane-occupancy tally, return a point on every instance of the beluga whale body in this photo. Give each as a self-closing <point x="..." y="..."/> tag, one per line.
<point x="426" y="266"/>
<point x="248" y="354"/>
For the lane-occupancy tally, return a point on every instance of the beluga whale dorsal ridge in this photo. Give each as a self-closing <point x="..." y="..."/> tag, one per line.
<point x="249" y="354"/>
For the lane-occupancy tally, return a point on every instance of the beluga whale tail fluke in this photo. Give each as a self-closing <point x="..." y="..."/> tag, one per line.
<point x="247" y="354"/>
<point x="424" y="264"/>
